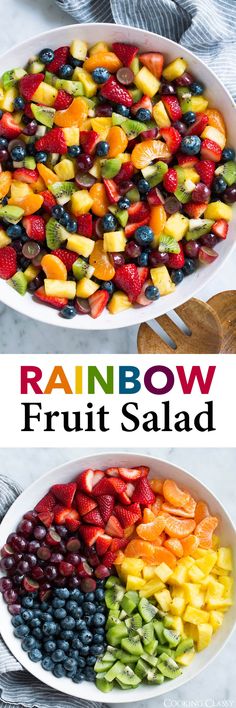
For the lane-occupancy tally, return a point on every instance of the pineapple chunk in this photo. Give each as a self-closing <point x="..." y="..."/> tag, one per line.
<point x="198" y="104"/>
<point x="65" y="170"/>
<point x="175" y="69"/>
<point x="86" y="125"/>
<point x="160" y="115"/>
<point x="134" y="583"/>
<point x="187" y="562"/>
<point x="177" y="606"/>
<point x="118" y="303"/>
<point x="19" y="190"/>
<point x="224" y="558"/>
<point x="162" y="280"/>
<point x="31" y="272"/>
<point x="96" y="169"/>
<point x="186" y="659"/>
<point x="149" y="572"/>
<point x="227" y="585"/>
<point x="89" y="86"/>
<point x="7" y="102"/>
<point x="215" y="135"/>
<point x="179" y="576"/>
<point x="81" y="202"/>
<point x="195" y="615"/>
<point x="219" y="571"/>
<point x="176" y="226"/>
<point x="131" y="566"/>
<point x="45" y="94"/>
<point x="86" y="287"/>
<point x="163" y="571"/>
<point x="191" y="174"/>
<point x="218" y="210"/>
<point x="152" y="587"/>
<point x="205" y="631"/>
<point x="216" y="619"/>
<point x="178" y="625"/>
<point x="195" y="575"/>
<point x="78" y="49"/>
<point x="99" y="47"/>
<point x="194" y="594"/>
<point x="221" y="603"/>
<point x="71" y="135"/>
<point x="101" y="126"/>
<point x="1" y="95"/>
<point x="215" y="542"/>
<point x="191" y="631"/>
<point x="215" y="590"/>
<point x="207" y="562"/>
<point x="4" y="239"/>
<point x="80" y="244"/>
<point x="114" y="241"/>
<point x="164" y="599"/>
<point x="147" y="82"/>
<point x="60" y="288"/>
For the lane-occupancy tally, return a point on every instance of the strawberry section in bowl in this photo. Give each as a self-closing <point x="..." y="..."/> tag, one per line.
<point x="125" y="279"/>
<point x="97" y="541"/>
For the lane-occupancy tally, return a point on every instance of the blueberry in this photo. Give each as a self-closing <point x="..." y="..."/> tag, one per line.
<point x="46" y="55"/>
<point x="68" y="312"/>
<point x="35" y="655"/>
<point x="65" y="71"/>
<point x="143" y="114"/>
<point x="28" y="643"/>
<point x="27" y="601"/>
<point x="89" y="674"/>
<point x="80" y="625"/>
<point x="41" y="156"/>
<point x="91" y="660"/>
<point x="35" y="622"/>
<point x="70" y="664"/>
<point x="50" y="646"/>
<point x="57" y="211"/>
<point x="71" y="605"/>
<point x="14" y="231"/>
<point x="74" y="654"/>
<point x="177" y="276"/>
<point x="76" y="594"/>
<point x="67" y="634"/>
<point x="97" y="638"/>
<point x="31" y="149"/>
<point x="50" y="628"/>
<point x="75" y="62"/>
<point x="68" y="623"/>
<point x="18" y="153"/>
<point x="196" y="88"/>
<point x="16" y="621"/>
<point x="227" y="154"/>
<point x="74" y="150"/>
<point x="102" y="148"/>
<point x="47" y="663"/>
<point x="62" y="644"/>
<point x="191" y="145"/>
<point x="27" y="615"/>
<point x="100" y="608"/>
<point x="60" y="613"/>
<point x="99" y="594"/>
<point x="143" y="259"/>
<point x="219" y="185"/>
<point x="189" y="266"/>
<point x="57" y="603"/>
<point x="122" y="110"/>
<point x="76" y="643"/>
<point x="89" y="596"/>
<point x="109" y="222"/>
<point x="3" y="143"/>
<point x="99" y="619"/>
<point x="89" y="608"/>
<point x="72" y="226"/>
<point x="58" y="656"/>
<point x="143" y="235"/>
<point x="100" y="75"/>
<point x="108" y="286"/>
<point x="47" y="617"/>
<point x="84" y="650"/>
<point x="37" y="633"/>
<point x="143" y="186"/>
<point x="124" y="203"/>
<point x="81" y="663"/>
<point x="19" y="103"/>
<point x="100" y="631"/>
<point x="98" y="649"/>
<point x="21" y="631"/>
<point x="152" y="293"/>
<point x="59" y="671"/>
<point x="86" y="637"/>
<point x="62" y="593"/>
<point x="78" y="677"/>
<point x="189" y="117"/>
<point x="64" y="219"/>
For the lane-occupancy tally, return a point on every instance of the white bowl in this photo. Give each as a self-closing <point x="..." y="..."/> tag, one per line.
<point x="218" y="97"/>
<point x="65" y="473"/>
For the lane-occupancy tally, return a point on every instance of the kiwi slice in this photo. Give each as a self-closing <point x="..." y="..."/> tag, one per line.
<point x="133" y="195"/>
<point x="12" y="214"/>
<point x="112" y="580"/>
<point x="109" y="656"/>
<point x="74" y="88"/>
<point x="151" y="647"/>
<point x="147" y="611"/>
<point x="29" y="163"/>
<point x="103" y="666"/>
<point x="185" y="102"/>
<point x="49" y="78"/>
<point x="110" y="168"/>
<point x="132" y="128"/>
<point x="10" y="78"/>
<point x="114" y="671"/>
<point x="132" y="645"/>
<point x="182" y="194"/>
<point x="19" y="282"/>
<point x="62" y="191"/>
<point x="113" y="596"/>
<point x="116" y="633"/>
<point x="125" y="658"/>
<point x="81" y="269"/>
<point x="55" y="234"/>
<point x="134" y="623"/>
<point x="35" y="67"/>
<point x="228" y="171"/>
<point x="146" y="633"/>
<point x="166" y="649"/>
<point x="168" y="244"/>
<point x="117" y="119"/>
<point x="130" y="601"/>
<point x="184" y="646"/>
<point x="122" y="615"/>
<point x="168" y="666"/>
<point x="198" y="227"/>
<point x="43" y="114"/>
<point x="121" y="215"/>
<point x="158" y="627"/>
<point x="127" y="678"/>
<point x="142" y="668"/>
<point x="172" y="637"/>
<point x="104" y="685"/>
<point x="113" y="618"/>
<point x="157" y="177"/>
<point x="151" y="660"/>
<point x="154" y="676"/>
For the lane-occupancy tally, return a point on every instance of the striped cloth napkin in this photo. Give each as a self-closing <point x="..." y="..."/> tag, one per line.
<point x="206" y="27"/>
<point x="17" y="687"/>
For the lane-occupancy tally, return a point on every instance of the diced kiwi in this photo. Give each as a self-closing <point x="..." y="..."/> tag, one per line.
<point x="117" y="119"/>
<point x="166" y="649"/>
<point x="128" y="678"/>
<point x="158" y="627"/>
<point x="10" y="78"/>
<point x="122" y="615"/>
<point x="62" y="191"/>
<point x="132" y="645"/>
<point x="146" y="609"/>
<point x="184" y="646"/>
<point x="134" y="623"/>
<point x="151" y="647"/>
<point x="142" y="668"/>
<point x="112" y="580"/>
<point x="12" y="214"/>
<point x="82" y="269"/>
<point x="168" y="621"/>
<point x="168" y="666"/>
<point x="113" y="596"/>
<point x="103" y="666"/>
<point x="35" y="67"/>
<point x="110" y="168"/>
<point x="146" y="633"/>
<point x="228" y="171"/>
<point x="104" y="685"/>
<point x="114" y="671"/>
<point x="182" y="194"/>
<point x="172" y="637"/>
<point x="43" y="114"/>
<point x="19" y="282"/>
<point x="125" y="658"/>
<point x="132" y="128"/>
<point x="151" y="660"/>
<point x="154" y="676"/>
<point x="121" y="215"/>
<point x="168" y="244"/>
<point x="185" y="103"/>
<point x="29" y="163"/>
<point x="74" y="88"/>
<point x="136" y="94"/>
<point x="133" y="195"/>
<point x="113" y="618"/>
<point x="55" y="234"/>
<point x="116" y="633"/>
<point x="130" y="600"/>
<point x="198" y="227"/>
<point x="157" y="177"/>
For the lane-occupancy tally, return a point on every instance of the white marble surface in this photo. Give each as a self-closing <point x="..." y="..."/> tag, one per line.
<point x="20" y="20"/>
<point x="214" y="467"/>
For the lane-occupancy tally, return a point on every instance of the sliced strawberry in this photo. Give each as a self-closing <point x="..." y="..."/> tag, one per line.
<point x="29" y="84"/>
<point x="98" y="302"/>
<point x="28" y="111"/>
<point x="112" y="192"/>
<point x="8" y="128"/>
<point x="118" y="485"/>
<point x="115" y="92"/>
<point x="35" y="227"/>
<point x="52" y="141"/>
<point x="172" y="138"/>
<point x="57" y="302"/>
<point x="210" y="150"/>
<point x="47" y="503"/>
<point x="109" y="558"/>
<point x="8" y="262"/>
<point x="63" y="100"/>
<point x="170" y="180"/>
<point x="62" y="514"/>
<point x="84" y="503"/>
<point x="177" y="260"/>
<point x="187" y="160"/>
<point x="128" y="473"/>
<point x="112" y="471"/>
<point x="143" y="470"/>
<point x="106" y="505"/>
<point x="154" y="62"/>
<point x="49" y="200"/>
<point x="109" y="486"/>
<point x="131" y="228"/>
<point x="220" y="228"/>
<point x="155" y="197"/>
<point x="46" y="518"/>
<point x="85" y="225"/>
<point x="22" y="174"/>
<point x="124" y="498"/>
<point x="90" y="534"/>
<point x="113" y="527"/>
<point x="125" y="52"/>
<point x="206" y="170"/>
<point x="72" y="524"/>
<point x="88" y="140"/>
<point x="195" y="210"/>
<point x="85" y="481"/>
<point x="94" y="517"/>
<point x="138" y="211"/>
<point x="64" y="493"/>
<point x="143" y="274"/>
<point x="60" y="57"/>
<point x="199" y="125"/>
<point x="130" y="489"/>
<point x="128" y="517"/>
<point x="97" y="476"/>
<point x="145" y="102"/>
<point x="102" y="544"/>
<point x="143" y="493"/>
<point x="67" y="257"/>
<point x="172" y="106"/>
<point x="126" y="172"/>
<point x="127" y="279"/>
<point x="118" y="543"/>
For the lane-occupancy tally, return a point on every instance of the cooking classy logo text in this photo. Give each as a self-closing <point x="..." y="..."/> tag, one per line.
<point x="157" y="399"/>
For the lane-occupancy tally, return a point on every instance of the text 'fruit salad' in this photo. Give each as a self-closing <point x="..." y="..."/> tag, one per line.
<point x="115" y="180"/>
<point x="168" y="580"/>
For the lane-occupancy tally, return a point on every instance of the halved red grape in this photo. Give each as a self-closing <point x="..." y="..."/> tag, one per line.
<point x="30" y="585"/>
<point x="85" y="180"/>
<point x="73" y="544"/>
<point x="88" y="584"/>
<point x="207" y="255"/>
<point x="82" y="306"/>
<point x="102" y="571"/>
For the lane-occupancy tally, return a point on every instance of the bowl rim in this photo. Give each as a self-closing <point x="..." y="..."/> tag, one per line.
<point x="97" y="457"/>
<point x="140" y="314"/>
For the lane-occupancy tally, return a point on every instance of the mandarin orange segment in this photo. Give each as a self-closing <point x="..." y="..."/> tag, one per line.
<point x="117" y="141"/>
<point x="175" y="546"/>
<point x="204" y="531"/>
<point x="179" y="528"/>
<point x="156" y="507"/>
<point x="201" y="511"/>
<point x="140" y="549"/>
<point x="31" y="203"/>
<point x="108" y="60"/>
<point x="190" y="544"/>
<point x="75" y="115"/>
<point x="156" y="485"/>
<point x="216" y="120"/>
<point x="148" y="515"/>
<point x="100" y="203"/>
<point x="119" y="558"/>
<point x="53" y="267"/>
<point x="5" y="183"/>
<point x="162" y="555"/>
<point x="149" y="531"/>
<point x="178" y="512"/>
<point x="99" y="259"/>
<point x="157" y="219"/>
<point x="174" y="495"/>
<point x="143" y="153"/>
<point x="47" y="175"/>
<point x="129" y="531"/>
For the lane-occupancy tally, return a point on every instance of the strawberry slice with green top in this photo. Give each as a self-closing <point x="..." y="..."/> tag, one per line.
<point x="125" y="52"/>
<point x="64" y="493"/>
<point x="115" y="92"/>
<point x="29" y="84"/>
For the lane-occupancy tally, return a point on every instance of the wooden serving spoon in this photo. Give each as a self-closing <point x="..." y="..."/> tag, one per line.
<point x="224" y="304"/>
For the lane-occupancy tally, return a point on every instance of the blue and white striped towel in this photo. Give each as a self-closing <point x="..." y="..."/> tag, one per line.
<point x="17" y="687"/>
<point x="206" y="27"/>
